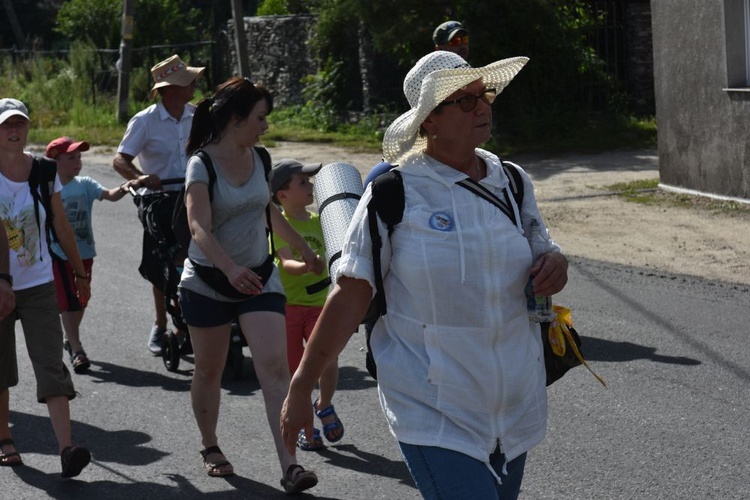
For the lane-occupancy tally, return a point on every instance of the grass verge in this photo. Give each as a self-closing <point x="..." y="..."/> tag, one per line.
<point x="647" y="192"/>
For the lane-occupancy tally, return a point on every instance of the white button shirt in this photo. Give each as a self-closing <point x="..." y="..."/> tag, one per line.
<point x="459" y="364"/>
<point x="158" y="140"/>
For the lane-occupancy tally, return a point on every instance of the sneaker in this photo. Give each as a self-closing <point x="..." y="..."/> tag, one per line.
<point x="74" y="459"/>
<point x="154" y="341"/>
<point x="66" y="346"/>
<point x="80" y="362"/>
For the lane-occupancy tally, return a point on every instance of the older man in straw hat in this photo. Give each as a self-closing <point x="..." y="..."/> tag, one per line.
<point x="157" y="137"/>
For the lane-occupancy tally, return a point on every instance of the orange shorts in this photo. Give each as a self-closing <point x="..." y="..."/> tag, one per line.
<point x="65" y="284"/>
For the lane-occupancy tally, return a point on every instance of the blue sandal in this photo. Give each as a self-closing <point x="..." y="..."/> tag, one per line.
<point x="329" y="430"/>
<point x="317" y="442"/>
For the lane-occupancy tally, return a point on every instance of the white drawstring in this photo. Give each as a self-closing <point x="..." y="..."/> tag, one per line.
<point x="459" y="232"/>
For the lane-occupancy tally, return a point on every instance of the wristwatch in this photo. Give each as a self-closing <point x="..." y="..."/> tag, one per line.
<point x="7" y="277"/>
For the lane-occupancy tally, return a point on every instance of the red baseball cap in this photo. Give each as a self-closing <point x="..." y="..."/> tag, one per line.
<point x="65" y="145"/>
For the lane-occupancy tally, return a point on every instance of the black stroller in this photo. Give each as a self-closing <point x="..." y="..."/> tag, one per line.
<point x="155" y="210"/>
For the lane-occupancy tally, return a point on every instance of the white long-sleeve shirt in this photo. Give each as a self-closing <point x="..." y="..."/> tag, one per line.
<point x="459" y="364"/>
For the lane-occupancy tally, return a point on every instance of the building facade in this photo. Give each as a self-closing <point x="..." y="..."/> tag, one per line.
<point x="702" y="93"/>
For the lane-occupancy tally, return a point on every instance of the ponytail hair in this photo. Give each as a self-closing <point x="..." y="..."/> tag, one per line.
<point x="235" y="98"/>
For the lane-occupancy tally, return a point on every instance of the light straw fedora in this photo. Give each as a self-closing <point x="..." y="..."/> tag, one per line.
<point x="173" y="71"/>
<point x="433" y="78"/>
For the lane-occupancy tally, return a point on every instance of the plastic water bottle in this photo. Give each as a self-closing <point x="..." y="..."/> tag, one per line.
<point x="539" y="307"/>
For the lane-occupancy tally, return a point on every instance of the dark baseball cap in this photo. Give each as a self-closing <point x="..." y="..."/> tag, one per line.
<point x="284" y="169"/>
<point x="446" y="31"/>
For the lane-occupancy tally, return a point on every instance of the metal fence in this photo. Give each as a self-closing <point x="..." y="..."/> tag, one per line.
<point x="213" y="54"/>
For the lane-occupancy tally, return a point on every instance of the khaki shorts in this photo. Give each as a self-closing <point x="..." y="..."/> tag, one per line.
<point x="36" y="307"/>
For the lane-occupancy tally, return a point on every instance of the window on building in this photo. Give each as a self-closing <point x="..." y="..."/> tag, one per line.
<point x="737" y="37"/>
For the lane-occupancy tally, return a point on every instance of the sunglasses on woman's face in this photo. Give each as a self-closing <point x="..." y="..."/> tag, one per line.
<point x="469" y="102"/>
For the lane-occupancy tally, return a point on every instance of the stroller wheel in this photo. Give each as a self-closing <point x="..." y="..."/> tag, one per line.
<point x="235" y="362"/>
<point x="170" y="351"/>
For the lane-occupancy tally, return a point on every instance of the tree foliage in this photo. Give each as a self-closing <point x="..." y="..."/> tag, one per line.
<point x="156" y="22"/>
<point x="96" y="21"/>
<point x="564" y="82"/>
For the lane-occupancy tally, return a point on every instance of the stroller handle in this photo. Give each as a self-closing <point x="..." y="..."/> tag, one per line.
<point x="173" y="180"/>
<point x="164" y="182"/>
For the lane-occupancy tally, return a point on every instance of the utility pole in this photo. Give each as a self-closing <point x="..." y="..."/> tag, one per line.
<point x="240" y="44"/>
<point x="123" y="64"/>
<point x="17" y="31"/>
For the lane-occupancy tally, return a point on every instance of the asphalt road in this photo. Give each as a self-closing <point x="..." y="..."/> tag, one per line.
<point x="672" y="424"/>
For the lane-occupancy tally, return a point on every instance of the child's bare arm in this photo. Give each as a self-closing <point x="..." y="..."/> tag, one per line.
<point x="289" y="263"/>
<point x="116" y="194"/>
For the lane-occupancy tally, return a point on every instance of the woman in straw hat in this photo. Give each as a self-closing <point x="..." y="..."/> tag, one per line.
<point x="460" y="365"/>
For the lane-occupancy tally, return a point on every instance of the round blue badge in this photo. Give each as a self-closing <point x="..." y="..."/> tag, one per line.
<point x="441" y="221"/>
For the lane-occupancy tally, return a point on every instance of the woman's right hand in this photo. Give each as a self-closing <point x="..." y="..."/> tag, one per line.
<point x="245" y="280"/>
<point x="296" y="414"/>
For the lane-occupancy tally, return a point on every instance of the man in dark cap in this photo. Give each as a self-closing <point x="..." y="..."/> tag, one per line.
<point x="453" y="37"/>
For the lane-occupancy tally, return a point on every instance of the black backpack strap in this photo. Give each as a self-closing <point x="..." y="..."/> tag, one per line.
<point x="516" y="182"/>
<point x="515" y="186"/>
<point x="41" y="182"/>
<point x="210" y="169"/>
<point x="484" y="193"/>
<point x="387" y="202"/>
<point x="265" y="157"/>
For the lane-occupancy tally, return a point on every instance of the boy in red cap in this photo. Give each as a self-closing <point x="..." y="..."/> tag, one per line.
<point x="78" y="195"/>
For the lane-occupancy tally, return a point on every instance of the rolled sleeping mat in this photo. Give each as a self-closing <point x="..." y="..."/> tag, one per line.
<point x="338" y="188"/>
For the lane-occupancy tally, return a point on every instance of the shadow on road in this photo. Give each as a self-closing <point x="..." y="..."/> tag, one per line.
<point x="122" y="375"/>
<point x="74" y="489"/>
<point x="348" y="456"/>
<point x="607" y="350"/>
<point x="121" y="447"/>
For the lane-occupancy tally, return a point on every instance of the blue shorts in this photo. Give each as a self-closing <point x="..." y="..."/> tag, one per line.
<point x="205" y="312"/>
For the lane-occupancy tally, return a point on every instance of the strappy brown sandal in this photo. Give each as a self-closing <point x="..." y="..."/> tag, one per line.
<point x="9" y="459"/>
<point x="216" y="469"/>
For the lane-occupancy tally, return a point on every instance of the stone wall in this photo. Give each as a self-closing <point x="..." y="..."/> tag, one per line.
<point x="279" y="54"/>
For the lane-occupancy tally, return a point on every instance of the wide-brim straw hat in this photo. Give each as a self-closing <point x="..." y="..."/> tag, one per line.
<point x="173" y="71"/>
<point x="432" y="79"/>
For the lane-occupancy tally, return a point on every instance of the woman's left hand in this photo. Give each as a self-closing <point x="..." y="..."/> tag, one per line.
<point x="550" y="272"/>
<point x="245" y="280"/>
<point x="83" y="285"/>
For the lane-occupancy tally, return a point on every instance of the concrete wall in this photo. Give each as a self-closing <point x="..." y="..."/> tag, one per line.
<point x="703" y="127"/>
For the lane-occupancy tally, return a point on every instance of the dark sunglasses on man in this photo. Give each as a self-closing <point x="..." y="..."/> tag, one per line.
<point x="459" y="40"/>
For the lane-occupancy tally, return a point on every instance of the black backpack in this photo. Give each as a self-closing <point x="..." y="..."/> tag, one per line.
<point x="41" y="185"/>
<point x="388" y="203"/>
<point x="180" y="226"/>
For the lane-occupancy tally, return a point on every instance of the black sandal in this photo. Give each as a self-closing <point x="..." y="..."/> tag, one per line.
<point x="214" y="468"/>
<point x="74" y="459"/>
<point x="9" y="459"/>
<point x="297" y="479"/>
